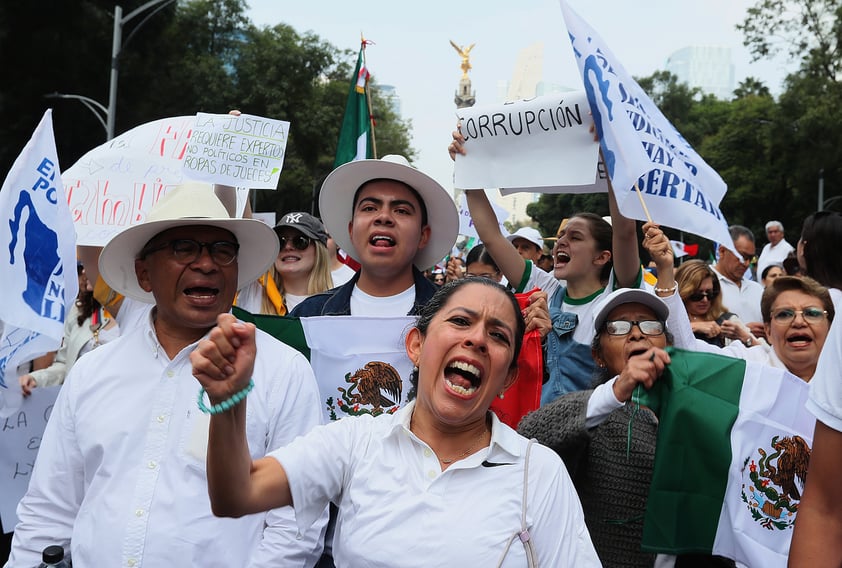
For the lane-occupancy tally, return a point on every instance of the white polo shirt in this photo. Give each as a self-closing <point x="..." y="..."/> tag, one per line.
<point x="397" y="508"/>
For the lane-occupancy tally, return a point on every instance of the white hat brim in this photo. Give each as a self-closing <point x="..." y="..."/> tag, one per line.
<point x="337" y="196"/>
<point x="629" y="296"/>
<point x="258" y="250"/>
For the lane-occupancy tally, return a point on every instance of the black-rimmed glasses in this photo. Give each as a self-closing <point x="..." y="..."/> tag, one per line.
<point x="186" y="251"/>
<point x="623" y="327"/>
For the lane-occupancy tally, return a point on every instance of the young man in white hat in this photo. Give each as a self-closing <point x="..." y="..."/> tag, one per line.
<point x="120" y="476"/>
<point x="395" y="221"/>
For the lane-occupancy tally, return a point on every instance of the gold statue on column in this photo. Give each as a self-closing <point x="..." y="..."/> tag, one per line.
<point x="464" y="53"/>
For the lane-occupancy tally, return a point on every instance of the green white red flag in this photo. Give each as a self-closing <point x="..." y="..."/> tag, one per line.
<point x="355" y="137"/>
<point x="734" y="440"/>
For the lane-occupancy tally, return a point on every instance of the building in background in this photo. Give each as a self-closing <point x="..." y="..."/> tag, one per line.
<point x="707" y="67"/>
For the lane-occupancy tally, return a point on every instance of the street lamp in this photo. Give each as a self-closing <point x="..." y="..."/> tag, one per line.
<point x="116" y="46"/>
<point x="95" y="107"/>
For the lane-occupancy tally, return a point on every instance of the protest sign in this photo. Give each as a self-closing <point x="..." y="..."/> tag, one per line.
<point x="236" y="150"/>
<point x="538" y="143"/>
<point x="20" y="438"/>
<point x="466" y="223"/>
<point x="113" y="186"/>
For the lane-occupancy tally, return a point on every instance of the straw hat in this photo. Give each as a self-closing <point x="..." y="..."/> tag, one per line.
<point x="188" y="204"/>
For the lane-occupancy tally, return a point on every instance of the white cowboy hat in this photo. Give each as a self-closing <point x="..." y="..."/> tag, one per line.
<point x="188" y="204"/>
<point x="336" y="203"/>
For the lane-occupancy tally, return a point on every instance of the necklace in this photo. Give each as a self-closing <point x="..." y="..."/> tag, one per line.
<point x="468" y="451"/>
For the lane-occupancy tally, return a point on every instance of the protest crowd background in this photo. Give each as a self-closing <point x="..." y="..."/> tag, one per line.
<point x="670" y="309"/>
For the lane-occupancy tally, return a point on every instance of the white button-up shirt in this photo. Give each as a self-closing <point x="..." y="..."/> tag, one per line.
<point x="397" y="508"/>
<point x="120" y="473"/>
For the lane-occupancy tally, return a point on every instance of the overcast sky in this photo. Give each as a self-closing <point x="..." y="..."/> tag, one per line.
<point x="412" y="51"/>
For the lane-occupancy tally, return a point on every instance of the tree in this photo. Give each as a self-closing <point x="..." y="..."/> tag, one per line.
<point x="807" y="30"/>
<point x="192" y="56"/>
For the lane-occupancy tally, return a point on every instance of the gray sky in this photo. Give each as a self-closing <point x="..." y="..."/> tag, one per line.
<point x="412" y="50"/>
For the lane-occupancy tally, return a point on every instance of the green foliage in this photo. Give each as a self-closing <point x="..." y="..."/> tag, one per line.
<point x="191" y="56"/>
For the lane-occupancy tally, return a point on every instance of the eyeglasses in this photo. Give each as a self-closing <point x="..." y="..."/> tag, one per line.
<point x="699" y="296"/>
<point x="298" y="242"/>
<point x="784" y="316"/>
<point x="623" y="327"/>
<point x="186" y="251"/>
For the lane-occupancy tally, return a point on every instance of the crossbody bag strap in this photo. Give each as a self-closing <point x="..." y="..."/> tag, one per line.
<point x="523" y="534"/>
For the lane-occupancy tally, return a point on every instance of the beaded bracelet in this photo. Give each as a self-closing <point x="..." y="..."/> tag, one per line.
<point x="227" y="404"/>
<point x="667" y="290"/>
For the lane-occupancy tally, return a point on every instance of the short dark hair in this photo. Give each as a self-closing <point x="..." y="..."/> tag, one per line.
<point x="480" y="254"/>
<point x="406" y="185"/>
<point x="737" y="231"/>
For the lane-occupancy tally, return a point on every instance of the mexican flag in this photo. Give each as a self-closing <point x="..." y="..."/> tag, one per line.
<point x="355" y="138"/>
<point x="360" y="362"/>
<point x="734" y="441"/>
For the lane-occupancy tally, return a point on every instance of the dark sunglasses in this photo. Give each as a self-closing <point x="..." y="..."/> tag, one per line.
<point x="298" y="242"/>
<point x="699" y="296"/>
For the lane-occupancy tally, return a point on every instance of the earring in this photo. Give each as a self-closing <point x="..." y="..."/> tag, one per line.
<point x="500" y="396"/>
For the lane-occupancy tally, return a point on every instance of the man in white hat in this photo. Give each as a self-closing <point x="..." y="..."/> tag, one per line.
<point x="120" y="477"/>
<point x="395" y="221"/>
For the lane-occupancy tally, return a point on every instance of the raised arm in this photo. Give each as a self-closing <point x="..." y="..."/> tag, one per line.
<point x="624" y="245"/>
<point x="238" y="486"/>
<point x="508" y="260"/>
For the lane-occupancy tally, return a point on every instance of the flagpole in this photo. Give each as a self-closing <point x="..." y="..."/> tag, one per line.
<point x="643" y="203"/>
<point x="368" y="101"/>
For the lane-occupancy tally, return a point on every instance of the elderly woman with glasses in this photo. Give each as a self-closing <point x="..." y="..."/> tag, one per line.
<point x="796" y="314"/>
<point x="610" y="463"/>
<point x="699" y="289"/>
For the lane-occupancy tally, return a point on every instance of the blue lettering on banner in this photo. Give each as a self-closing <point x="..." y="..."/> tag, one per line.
<point x="665" y="183"/>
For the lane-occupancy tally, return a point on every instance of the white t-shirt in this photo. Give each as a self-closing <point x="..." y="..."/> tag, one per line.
<point x="342" y="275"/>
<point x="396" y="506"/>
<point x="363" y="304"/>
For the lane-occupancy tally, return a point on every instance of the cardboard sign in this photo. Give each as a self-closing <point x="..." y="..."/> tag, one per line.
<point x="538" y="143"/>
<point x="20" y="438"/>
<point x="242" y="150"/>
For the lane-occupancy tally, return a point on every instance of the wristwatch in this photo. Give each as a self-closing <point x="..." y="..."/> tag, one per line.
<point x="748" y="342"/>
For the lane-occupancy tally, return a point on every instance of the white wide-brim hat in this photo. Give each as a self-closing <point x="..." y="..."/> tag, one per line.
<point x="629" y="296"/>
<point x="189" y="204"/>
<point x="336" y="203"/>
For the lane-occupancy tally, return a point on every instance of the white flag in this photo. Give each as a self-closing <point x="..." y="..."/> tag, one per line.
<point x="641" y="148"/>
<point x="360" y="363"/>
<point x="37" y="254"/>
